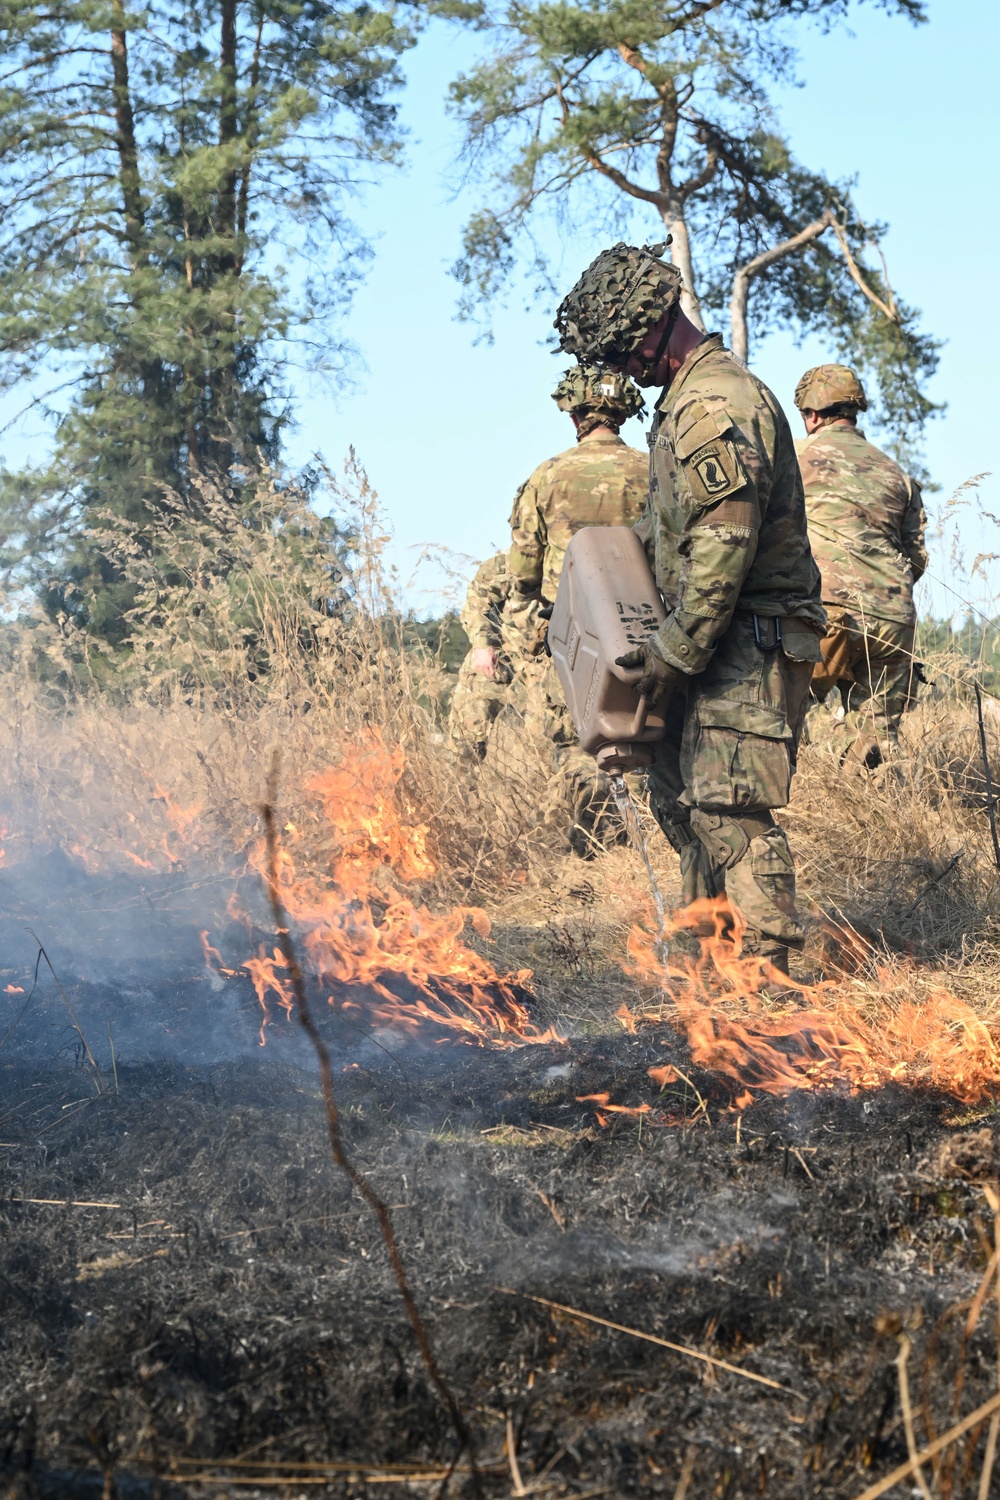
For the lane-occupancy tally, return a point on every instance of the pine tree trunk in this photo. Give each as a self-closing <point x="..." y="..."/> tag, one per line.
<point x="680" y="254"/>
<point x="221" y="379"/>
<point x="128" y="154"/>
<point x="228" y="121"/>
<point x="739" y="304"/>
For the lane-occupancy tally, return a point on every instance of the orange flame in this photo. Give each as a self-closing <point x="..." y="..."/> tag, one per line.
<point x="357" y="928"/>
<point x="764" y="1033"/>
<point x="604" y="1107"/>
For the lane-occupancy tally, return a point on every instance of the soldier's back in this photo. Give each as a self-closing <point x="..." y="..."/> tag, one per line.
<point x="599" y="482"/>
<point x="857" y="501"/>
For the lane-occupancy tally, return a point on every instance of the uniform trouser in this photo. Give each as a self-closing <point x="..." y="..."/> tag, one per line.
<point x="726" y="762"/>
<point x="593" y="819"/>
<point x="871" y="661"/>
<point x="475" y="703"/>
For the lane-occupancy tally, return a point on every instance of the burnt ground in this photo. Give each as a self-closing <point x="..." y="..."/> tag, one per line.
<point x="230" y="1315"/>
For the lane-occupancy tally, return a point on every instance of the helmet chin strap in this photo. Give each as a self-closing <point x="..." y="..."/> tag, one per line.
<point x="668" y="329"/>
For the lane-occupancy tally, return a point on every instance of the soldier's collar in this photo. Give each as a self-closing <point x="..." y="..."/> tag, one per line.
<point x="710" y="344"/>
<point x="600" y="435"/>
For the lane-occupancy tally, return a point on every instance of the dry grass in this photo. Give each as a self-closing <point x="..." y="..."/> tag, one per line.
<point x="159" y="758"/>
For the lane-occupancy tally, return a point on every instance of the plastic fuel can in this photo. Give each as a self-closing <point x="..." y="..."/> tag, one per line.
<point x="607" y="604"/>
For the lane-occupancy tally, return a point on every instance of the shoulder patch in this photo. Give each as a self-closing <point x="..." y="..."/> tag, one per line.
<point x="714" y="471"/>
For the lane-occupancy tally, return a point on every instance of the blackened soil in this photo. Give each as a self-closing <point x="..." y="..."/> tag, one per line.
<point x="231" y="1299"/>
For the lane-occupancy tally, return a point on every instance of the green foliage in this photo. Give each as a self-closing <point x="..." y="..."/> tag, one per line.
<point x="975" y="640"/>
<point x="174" y="182"/>
<point x="635" y="116"/>
<point x="443" y="639"/>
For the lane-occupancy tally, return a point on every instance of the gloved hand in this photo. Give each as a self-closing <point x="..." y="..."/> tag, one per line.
<point x="659" y="679"/>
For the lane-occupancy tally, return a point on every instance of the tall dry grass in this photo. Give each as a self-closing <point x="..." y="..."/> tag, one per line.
<point x="258" y="626"/>
<point x="253" y="628"/>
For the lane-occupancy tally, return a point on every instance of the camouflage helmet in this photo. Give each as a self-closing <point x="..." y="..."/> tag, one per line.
<point x="619" y="297"/>
<point x="589" y="388"/>
<point x="830" y="385"/>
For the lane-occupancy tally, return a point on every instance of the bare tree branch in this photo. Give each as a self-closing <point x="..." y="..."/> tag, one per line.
<point x="887" y="308"/>
<point x="648" y="195"/>
<point x="745" y="274"/>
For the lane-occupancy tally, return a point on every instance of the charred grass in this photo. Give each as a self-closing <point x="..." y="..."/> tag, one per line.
<point x="226" y="1322"/>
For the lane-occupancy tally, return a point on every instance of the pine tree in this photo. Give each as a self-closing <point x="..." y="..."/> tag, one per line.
<point x="173" y="182"/>
<point x="653" y="115"/>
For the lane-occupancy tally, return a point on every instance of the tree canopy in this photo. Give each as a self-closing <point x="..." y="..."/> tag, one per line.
<point x="652" y="115"/>
<point x="174" y="180"/>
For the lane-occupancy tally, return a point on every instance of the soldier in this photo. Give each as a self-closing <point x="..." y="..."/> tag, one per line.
<point x="866" y="524"/>
<point x="725" y="532"/>
<point x="601" y="481"/>
<point x="485" y="673"/>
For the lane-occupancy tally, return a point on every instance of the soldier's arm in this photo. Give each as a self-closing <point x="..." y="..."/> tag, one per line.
<point x="643" y="529"/>
<point x="719" y="477"/>
<point x="914" y="523"/>
<point x="483" y="602"/>
<point x="525" y="560"/>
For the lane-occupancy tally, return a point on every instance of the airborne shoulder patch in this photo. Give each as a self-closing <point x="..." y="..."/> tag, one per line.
<point x="714" y="471"/>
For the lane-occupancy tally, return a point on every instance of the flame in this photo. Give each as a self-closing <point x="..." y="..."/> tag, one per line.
<point x="89" y="861"/>
<point x="181" y="819"/>
<point x="765" y="1034"/>
<point x="605" y="1107"/>
<point x="160" y="850"/>
<point x="356" y="929"/>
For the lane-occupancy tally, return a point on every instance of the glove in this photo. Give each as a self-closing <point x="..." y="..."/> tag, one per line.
<point x="659" y="679"/>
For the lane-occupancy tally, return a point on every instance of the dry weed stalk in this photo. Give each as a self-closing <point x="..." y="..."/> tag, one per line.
<point x="356" y="1177"/>
<point x="651" y="1338"/>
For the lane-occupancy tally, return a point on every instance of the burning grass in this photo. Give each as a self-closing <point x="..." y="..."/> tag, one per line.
<point x="753" y="1170"/>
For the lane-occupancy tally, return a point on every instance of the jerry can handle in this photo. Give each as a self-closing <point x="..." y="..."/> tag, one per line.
<point x="638" y="724"/>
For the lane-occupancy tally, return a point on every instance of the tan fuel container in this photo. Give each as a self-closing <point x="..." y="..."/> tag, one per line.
<point x="607" y="604"/>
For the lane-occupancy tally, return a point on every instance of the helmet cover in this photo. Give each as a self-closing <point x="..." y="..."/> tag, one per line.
<point x="588" y="388"/>
<point x="830" y="385"/>
<point x="619" y="297"/>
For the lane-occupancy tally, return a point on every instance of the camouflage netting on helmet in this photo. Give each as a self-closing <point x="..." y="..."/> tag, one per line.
<point x="619" y="297"/>
<point x="830" y="385"/>
<point x="587" y="388"/>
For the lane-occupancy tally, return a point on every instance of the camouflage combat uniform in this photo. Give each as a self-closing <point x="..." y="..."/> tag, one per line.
<point x="601" y="481"/>
<point x="478" y="699"/>
<point x="866" y="524"/>
<point x="725" y="533"/>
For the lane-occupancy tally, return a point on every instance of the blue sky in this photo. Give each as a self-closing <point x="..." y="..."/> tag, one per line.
<point x="448" y="429"/>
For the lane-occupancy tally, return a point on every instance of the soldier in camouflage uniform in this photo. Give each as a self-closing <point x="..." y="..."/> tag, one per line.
<point x="725" y="532"/>
<point x="600" y="481"/>
<point x="485" y="674"/>
<point x="866" y="524"/>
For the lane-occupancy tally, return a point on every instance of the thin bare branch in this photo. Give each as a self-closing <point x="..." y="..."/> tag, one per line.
<point x="745" y="274"/>
<point x="887" y="308"/>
